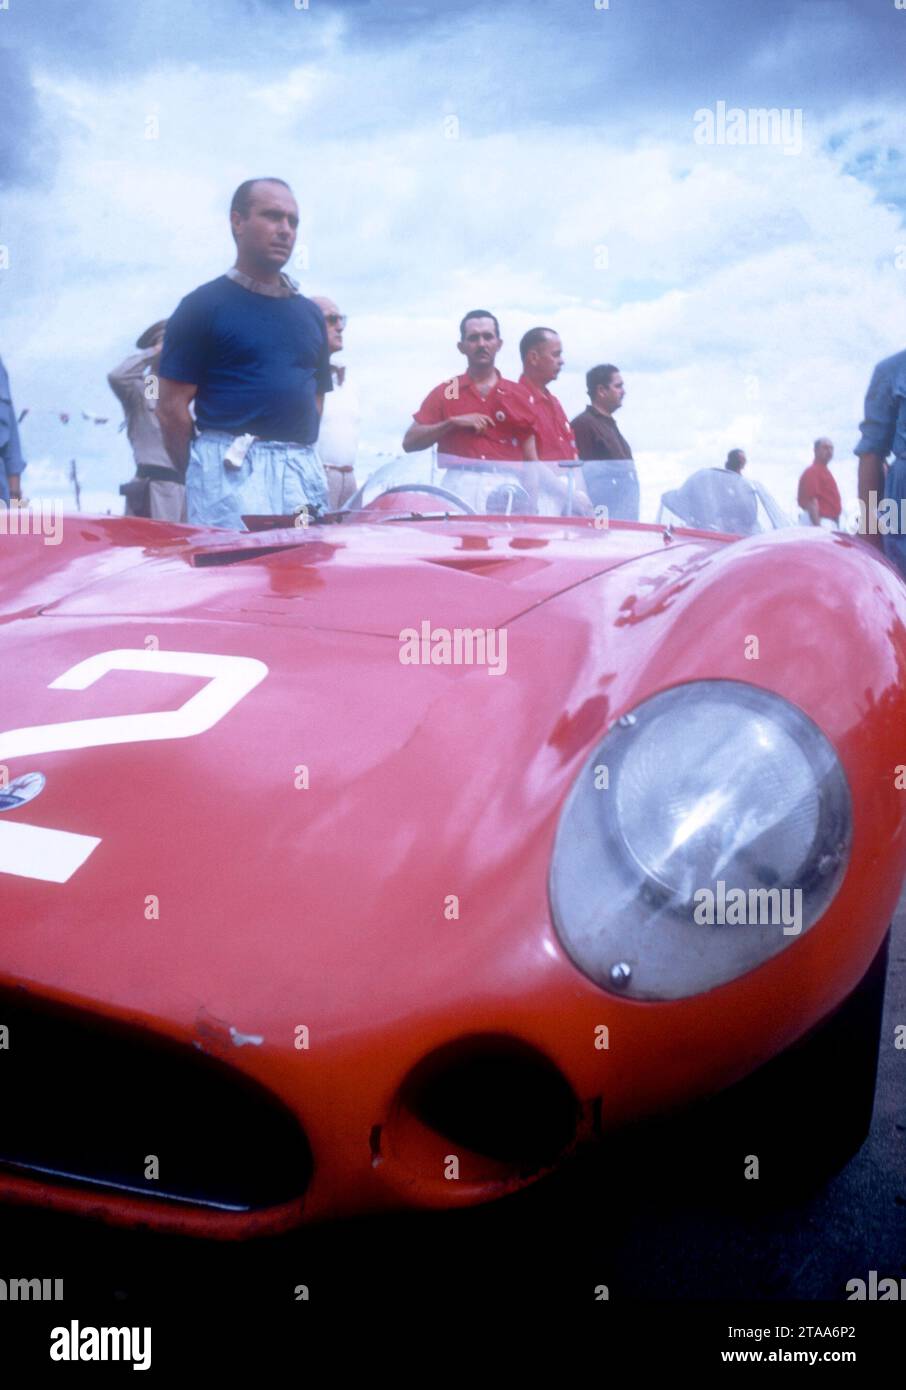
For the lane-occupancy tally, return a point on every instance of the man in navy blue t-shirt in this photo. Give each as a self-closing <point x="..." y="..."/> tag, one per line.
<point x="251" y="352"/>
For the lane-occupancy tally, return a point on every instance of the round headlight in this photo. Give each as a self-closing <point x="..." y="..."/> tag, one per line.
<point x="710" y="828"/>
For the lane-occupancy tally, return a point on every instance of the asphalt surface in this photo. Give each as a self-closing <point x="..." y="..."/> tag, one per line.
<point x="646" y="1219"/>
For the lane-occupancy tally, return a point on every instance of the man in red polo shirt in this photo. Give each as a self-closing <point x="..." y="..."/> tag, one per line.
<point x="478" y="415"/>
<point x="819" y="496"/>
<point x="483" y="417"/>
<point x="542" y="359"/>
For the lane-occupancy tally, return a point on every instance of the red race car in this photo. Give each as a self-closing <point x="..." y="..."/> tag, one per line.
<point x="385" y="862"/>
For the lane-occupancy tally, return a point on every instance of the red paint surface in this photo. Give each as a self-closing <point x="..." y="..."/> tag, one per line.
<point x="324" y="906"/>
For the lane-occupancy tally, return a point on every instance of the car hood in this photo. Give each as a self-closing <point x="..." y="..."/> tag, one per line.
<point x="362" y="578"/>
<point x="308" y="828"/>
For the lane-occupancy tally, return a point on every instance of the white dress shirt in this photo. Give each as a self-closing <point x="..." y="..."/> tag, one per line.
<point x="338" y="437"/>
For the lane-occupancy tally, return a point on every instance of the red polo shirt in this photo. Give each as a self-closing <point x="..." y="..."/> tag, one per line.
<point x="554" y="438"/>
<point x="819" y="482"/>
<point x="508" y="404"/>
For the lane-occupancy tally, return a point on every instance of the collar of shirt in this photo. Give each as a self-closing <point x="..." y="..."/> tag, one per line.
<point x="500" y="386"/>
<point x="283" y="290"/>
<point x="532" y="386"/>
<point x="546" y="395"/>
<point x="554" y="437"/>
<point x="467" y="384"/>
<point x="338" y="372"/>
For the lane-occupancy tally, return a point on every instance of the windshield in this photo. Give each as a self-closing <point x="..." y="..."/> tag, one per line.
<point x="429" y="484"/>
<point x="437" y="484"/>
<point x="715" y="499"/>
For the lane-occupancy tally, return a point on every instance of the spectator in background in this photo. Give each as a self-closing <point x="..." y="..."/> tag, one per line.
<point x="157" y="491"/>
<point x="736" y="461"/>
<point x="251" y="352"/>
<point x="338" y="440"/>
<point x="542" y="360"/>
<point x="883" y="433"/>
<point x="819" y="496"/>
<point x="12" y="464"/>
<point x="610" y="477"/>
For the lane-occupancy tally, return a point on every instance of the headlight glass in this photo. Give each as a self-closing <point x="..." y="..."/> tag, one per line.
<point x="711" y="827"/>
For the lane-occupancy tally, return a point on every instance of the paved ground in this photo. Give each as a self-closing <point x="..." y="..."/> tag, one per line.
<point x="647" y="1221"/>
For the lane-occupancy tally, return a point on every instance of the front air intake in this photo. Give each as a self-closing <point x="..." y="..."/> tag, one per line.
<point x="497" y="1098"/>
<point x="86" y="1101"/>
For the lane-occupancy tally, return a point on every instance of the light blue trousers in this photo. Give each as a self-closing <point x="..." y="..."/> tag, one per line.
<point x="275" y="479"/>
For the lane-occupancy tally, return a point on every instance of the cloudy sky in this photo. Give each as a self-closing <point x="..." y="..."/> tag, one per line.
<point x="537" y="157"/>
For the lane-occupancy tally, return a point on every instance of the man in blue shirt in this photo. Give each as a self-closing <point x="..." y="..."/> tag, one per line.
<point x="251" y="352"/>
<point x="884" y="432"/>
<point x="11" y="462"/>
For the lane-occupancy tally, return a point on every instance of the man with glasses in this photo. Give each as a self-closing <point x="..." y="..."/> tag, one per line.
<point x="338" y="440"/>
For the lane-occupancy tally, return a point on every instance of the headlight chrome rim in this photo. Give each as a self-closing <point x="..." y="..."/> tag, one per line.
<point x="629" y="925"/>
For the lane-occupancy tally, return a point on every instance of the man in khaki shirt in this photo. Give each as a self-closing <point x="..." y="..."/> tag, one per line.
<point x="157" y="490"/>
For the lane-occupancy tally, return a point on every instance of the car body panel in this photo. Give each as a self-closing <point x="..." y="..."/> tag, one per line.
<point x="325" y="906"/>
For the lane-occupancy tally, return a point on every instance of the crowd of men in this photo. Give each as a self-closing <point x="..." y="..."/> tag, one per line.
<point x="480" y="421"/>
<point x="233" y="407"/>
<point x="248" y="410"/>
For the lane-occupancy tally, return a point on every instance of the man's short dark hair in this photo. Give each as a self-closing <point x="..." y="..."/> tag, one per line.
<point x="599" y="376"/>
<point x="242" y="198"/>
<point x="735" y="460"/>
<point x="534" y="338"/>
<point x="477" y="314"/>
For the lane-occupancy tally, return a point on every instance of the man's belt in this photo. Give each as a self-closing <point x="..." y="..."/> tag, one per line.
<point x="157" y="473"/>
<point x="201" y="430"/>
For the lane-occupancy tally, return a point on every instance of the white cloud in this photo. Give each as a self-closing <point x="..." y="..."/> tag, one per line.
<point x="724" y="266"/>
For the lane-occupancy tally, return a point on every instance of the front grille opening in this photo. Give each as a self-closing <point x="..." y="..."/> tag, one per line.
<point x="496" y="1097"/>
<point x="86" y="1101"/>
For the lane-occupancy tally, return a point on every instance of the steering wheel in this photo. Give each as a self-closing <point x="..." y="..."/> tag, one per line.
<point x="434" y="491"/>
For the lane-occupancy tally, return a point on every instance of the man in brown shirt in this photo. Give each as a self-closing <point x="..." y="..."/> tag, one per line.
<point x="610" y="477"/>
